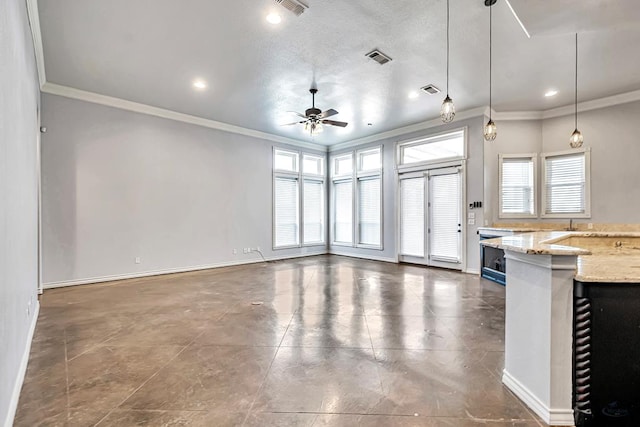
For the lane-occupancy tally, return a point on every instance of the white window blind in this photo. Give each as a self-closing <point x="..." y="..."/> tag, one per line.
<point x="412" y="219"/>
<point x="445" y="216"/>
<point x="286" y="212"/>
<point x="517" y="186"/>
<point x="565" y="179"/>
<point x="343" y="212"/>
<point x="313" y="211"/>
<point x="369" y="211"/>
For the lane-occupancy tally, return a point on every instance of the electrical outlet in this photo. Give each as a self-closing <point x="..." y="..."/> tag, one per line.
<point x="245" y="250"/>
<point x="138" y="260"/>
<point x="590" y="226"/>
<point x="235" y="251"/>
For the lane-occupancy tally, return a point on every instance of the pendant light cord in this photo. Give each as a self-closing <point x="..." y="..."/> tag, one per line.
<point x="490" y="54"/>
<point x="447" y="48"/>
<point x="576" y="91"/>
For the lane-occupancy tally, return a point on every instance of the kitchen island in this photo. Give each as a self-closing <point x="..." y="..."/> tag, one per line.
<point x="539" y="329"/>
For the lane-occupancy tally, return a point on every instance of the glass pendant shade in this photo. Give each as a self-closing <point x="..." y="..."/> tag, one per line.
<point x="490" y="131"/>
<point x="576" y="139"/>
<point x="448" y="110"/>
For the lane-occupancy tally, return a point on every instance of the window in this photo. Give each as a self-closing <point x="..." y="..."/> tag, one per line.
<point x="435" y="149"/>
<point x="517" y="186"/>
<point x="298" y="194"/>
<point x="357" y="198"/>
<point x="566" y="184"/>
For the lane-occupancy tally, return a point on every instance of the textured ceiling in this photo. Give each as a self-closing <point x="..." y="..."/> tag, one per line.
<point x="150" y="51"/>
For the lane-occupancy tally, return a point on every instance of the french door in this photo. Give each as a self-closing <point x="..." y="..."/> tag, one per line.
<point x="431" y="228"/>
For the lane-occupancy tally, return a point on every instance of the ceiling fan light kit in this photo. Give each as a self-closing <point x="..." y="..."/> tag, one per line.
<point x="448" y="109"/>
<point x="490" y="129"/>
<point x="314" y="118"/>
<point x="576" y="140"/>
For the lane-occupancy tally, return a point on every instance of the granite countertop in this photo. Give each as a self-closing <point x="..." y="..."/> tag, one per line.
<point x="602" y="256"/>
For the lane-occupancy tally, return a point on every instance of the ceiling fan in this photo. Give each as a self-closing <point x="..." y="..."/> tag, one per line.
<point x="314" y="118"/>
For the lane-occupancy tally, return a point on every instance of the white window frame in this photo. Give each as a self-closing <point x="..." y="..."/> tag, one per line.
<point x="587" y="184"/>
<point x="300" y="176"/>
<point x="355" y="177"/>
<point x="527" y="156"/>
<point x="416" y="166"/>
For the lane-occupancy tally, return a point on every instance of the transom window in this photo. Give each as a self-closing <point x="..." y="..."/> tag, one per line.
<point x="435" y="149"/>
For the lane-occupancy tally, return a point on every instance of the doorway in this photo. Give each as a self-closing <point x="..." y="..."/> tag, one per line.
<point x="430" y="227"/>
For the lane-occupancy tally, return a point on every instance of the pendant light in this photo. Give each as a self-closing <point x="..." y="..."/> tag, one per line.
<point x="576" y="139"/>
<point x="448" y="110"/>
<point x="490" y="129"/>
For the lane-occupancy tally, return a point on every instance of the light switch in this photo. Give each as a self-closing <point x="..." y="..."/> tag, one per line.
<point x="472" y="215"/>
<point x="471" y="221"/>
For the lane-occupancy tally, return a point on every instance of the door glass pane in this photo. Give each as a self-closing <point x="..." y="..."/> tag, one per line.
<point x="343" y="195"/>
<point x="313" y="212"/>
<point x="412" y="217"/>
<point x="445" y="217"/>
<point x="286" y="212"/>
<point x="369" y="211"/>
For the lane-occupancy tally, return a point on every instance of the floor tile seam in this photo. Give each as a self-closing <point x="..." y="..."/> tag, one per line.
<point x="148" y="379"/>
<point x="373" y="351"/>
<point x="102" y="343"/>
<point x="264" y="378"/>
<point x="66" y="375"/>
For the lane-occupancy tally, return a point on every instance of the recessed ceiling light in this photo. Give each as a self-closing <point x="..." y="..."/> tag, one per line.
<point x="550" y="93"/>
<point x="413" y="95"/>
<point x="274" y="18"/>
<point x="200" y="84"/>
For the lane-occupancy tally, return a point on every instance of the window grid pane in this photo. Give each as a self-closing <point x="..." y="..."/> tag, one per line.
<point x="313" y="212"/>
<point x="565" y="184"/>
<point x="343" y="220"/>
<point x="517" y="186"/>
<point x="285" y="161"/>
<point x="312" y="165"/>
<point x="286" y="212"/>
<point x="343" y="165"/>
<point x="370" y="160"/>
<point x="369" y="211"/>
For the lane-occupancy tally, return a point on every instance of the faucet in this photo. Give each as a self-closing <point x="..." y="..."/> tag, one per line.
<point x="571" y="225"/>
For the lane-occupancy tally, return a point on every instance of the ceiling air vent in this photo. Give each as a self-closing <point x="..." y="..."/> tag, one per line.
<point x="378" y="56"/>
<point x="430" y="89"/>
<point x="297" y="8"/>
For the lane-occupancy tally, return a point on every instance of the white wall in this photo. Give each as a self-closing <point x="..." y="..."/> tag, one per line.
<point x="119" y="185"/>
<point x="611" y="133"/>
<point x="474" y="191"/>
<point x="19" y="96"/>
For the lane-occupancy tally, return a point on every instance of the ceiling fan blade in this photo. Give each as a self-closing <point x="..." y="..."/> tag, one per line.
<point x="293" y="123"/>
<point x="327" y="113"/>
<point x="334" y="123"/>
<point x="297" y="114"/>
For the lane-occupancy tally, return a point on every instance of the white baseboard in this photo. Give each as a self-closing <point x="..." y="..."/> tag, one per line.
<point x="472" y="271"/>
<point x="553" y="417"/>
<point x="22" y="369"/>
<point x="359" y="256"/>
<point x="110" y="278"/>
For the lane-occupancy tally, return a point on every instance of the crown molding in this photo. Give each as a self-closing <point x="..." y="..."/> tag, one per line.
<point x="36" y="37"/>
<point x="595" y="104"/>
<point x="123" y="104"/>
<point x="463" y="115"/>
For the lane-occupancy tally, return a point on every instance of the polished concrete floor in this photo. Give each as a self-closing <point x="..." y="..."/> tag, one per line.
<point x="319" y="341"/>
